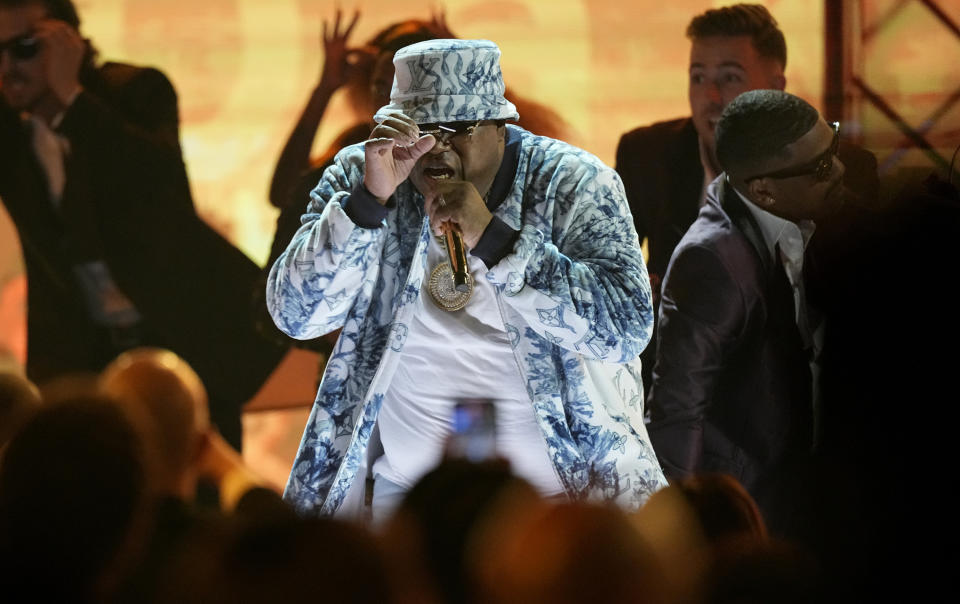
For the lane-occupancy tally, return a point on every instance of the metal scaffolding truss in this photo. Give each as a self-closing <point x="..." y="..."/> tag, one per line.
<point x="846" y="89"/>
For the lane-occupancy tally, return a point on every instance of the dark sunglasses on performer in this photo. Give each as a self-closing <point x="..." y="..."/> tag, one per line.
<point x="447" y="131"/>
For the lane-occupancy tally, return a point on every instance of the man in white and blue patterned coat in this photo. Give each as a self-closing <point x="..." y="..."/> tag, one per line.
<point x="555" y="313"/>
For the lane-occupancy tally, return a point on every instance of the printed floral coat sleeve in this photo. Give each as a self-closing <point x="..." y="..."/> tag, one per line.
<point x="329" y="263"/>
<point x="577" y="273"/>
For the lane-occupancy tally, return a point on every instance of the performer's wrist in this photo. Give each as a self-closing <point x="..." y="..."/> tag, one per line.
<point x="496" y="242"/>
<point x="364" y="209"/>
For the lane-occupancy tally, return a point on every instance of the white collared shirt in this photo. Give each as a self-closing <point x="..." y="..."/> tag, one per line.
<point x="791" y="239"/>
<point x="106" y="303"/>
<point x="50" y="149"/>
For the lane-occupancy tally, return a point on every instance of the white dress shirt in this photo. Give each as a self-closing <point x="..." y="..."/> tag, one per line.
<point x="791" y="240"/>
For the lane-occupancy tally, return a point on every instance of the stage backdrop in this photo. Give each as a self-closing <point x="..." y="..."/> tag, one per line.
<point x="244" y="68"/>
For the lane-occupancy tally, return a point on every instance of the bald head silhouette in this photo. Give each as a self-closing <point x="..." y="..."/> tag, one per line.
<point x="168" y="401"/>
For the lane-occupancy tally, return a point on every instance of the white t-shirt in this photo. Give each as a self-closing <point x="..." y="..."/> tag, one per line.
<point x="453" y="355"/>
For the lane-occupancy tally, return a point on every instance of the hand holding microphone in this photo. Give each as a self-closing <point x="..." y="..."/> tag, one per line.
<point x="459" y="213"/>
<point x="462" y="206"/>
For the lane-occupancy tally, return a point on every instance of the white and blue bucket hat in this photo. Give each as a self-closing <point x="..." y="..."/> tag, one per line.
<point x="448" y="81"/>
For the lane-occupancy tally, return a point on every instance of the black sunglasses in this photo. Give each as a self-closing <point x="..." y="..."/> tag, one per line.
<point x="820" y="166"/>
<point x="21" y="48"/>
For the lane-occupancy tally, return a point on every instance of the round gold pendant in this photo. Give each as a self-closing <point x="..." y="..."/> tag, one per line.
<point x="442" y="289"/>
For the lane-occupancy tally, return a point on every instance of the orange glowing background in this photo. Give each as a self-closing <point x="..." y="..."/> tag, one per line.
<point x="244" y="68"/>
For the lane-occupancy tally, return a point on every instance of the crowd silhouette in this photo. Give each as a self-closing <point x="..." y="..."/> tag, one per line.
<point x="93" y="492"/>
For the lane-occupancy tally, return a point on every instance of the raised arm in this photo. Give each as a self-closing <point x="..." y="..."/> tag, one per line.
<point x="334" y="257"/>
<point x="294" y="159"/>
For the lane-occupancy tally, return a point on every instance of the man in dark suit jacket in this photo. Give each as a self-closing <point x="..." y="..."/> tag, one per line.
<point x="92" y="175"/>
<point x="732" y="386"/>
<point x="666" y="167"/>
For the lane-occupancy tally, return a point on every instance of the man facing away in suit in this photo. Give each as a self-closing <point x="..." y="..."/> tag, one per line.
<point x="116" y="257"/>
<point x="666" y="166"/>
<point x="733" y="386"/>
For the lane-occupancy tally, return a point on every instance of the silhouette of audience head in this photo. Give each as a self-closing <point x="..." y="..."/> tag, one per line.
<point x="723" y="507"/>
<point x="168" y="398"/>
<point x="572" y="552"/>
<point x="442" y="516"/>
<point x="293" y="560"/>
<point x="71" y="485"/>
<point x="19" y="400"/>
<point x="780" y="154"/>
<point x="733" y="49"/>
<point x="759" y="572"/>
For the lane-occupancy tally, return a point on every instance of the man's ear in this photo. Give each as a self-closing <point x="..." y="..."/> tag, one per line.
<point x="762" y="192"/>
<point x="779" y="82"/>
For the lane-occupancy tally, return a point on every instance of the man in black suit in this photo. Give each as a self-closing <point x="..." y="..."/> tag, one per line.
<point x="666" y="167"/>
<point x="733" y="385"/>
<point x="92" y="176"/>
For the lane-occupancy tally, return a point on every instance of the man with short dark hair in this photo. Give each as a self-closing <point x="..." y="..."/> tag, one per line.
<point x="92" y="176"/>
<point x="548" y="320"/>
<point x="733" y="49"/>
<point x="732" y="387"/>
<point x="667" y="166"/>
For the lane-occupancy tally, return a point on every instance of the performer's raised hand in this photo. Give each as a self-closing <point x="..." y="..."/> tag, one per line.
<point x="393" y="148"/>
<point x="338" y="58"/>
